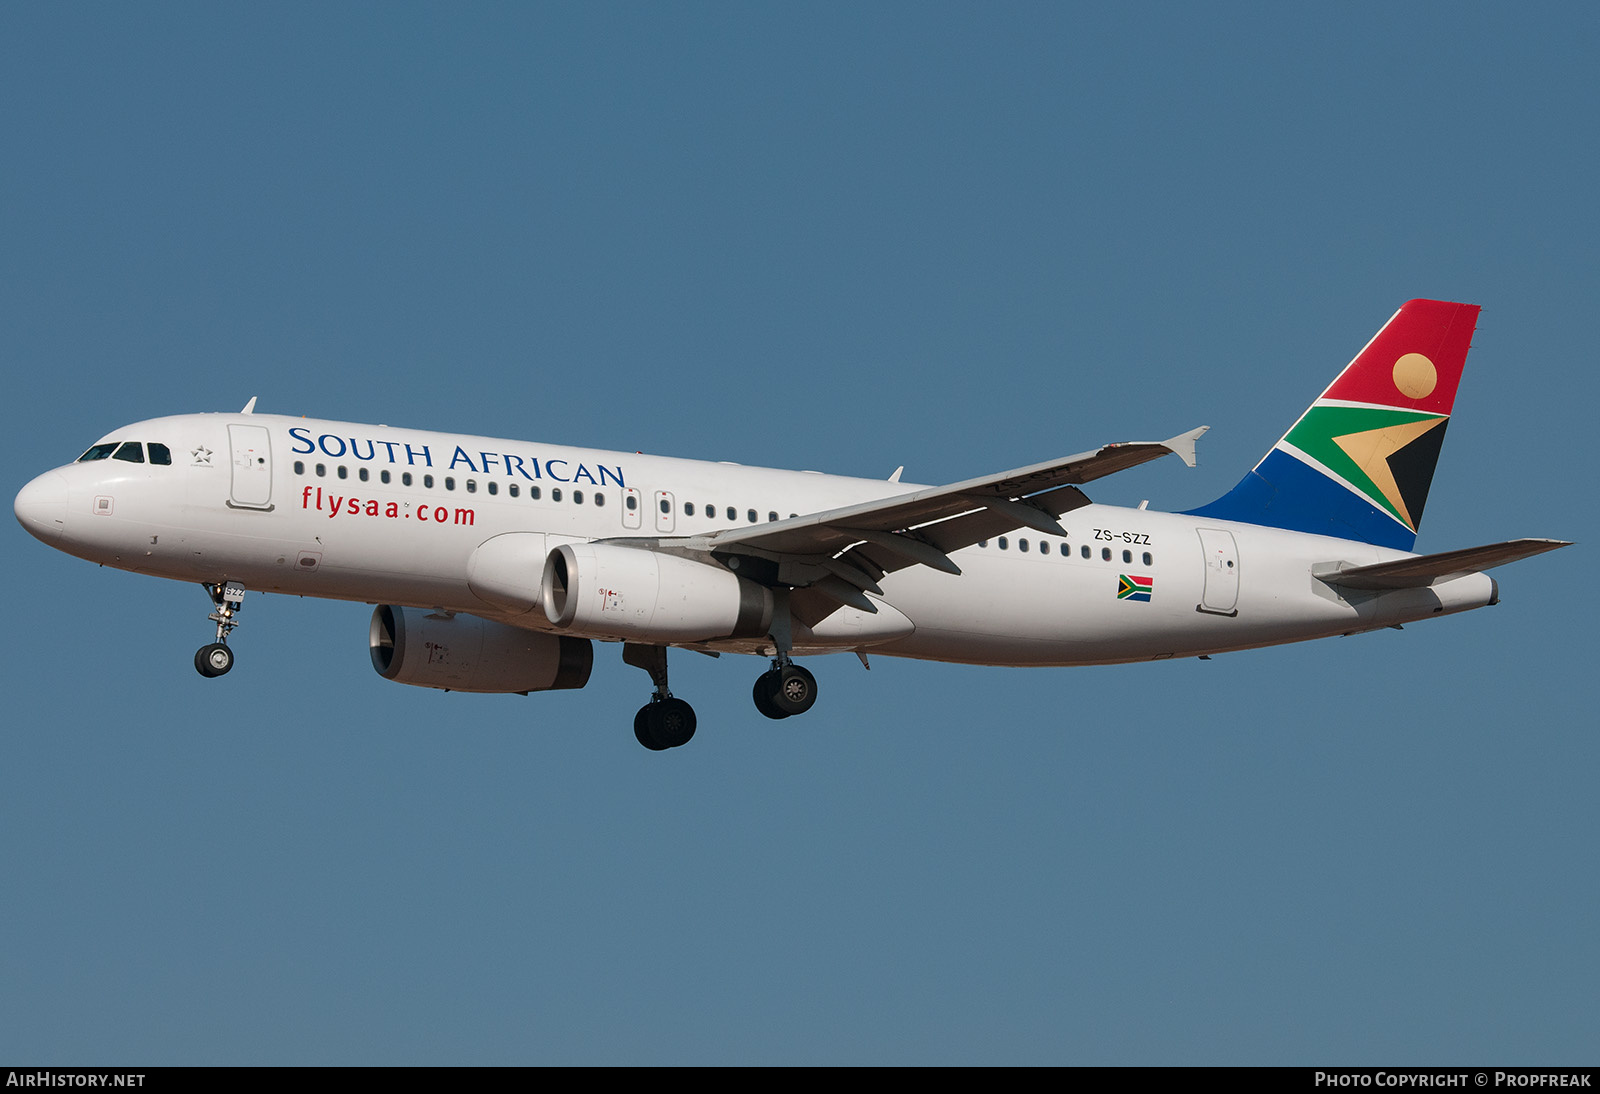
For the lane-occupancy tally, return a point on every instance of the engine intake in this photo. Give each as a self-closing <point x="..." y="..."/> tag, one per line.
<point x="632" y="593"/>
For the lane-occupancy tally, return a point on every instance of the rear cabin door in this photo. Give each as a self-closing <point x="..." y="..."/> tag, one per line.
<point x="1221" y="592"/>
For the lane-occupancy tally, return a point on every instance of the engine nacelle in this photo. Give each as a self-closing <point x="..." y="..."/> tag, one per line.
<point x="465" y="653"/>
<point x="642" y="595"/>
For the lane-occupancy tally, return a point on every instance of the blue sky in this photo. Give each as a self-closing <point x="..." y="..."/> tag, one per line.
<point x="842" y="237"/>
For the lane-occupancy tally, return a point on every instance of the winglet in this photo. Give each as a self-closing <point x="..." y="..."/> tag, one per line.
<point x="250" y="407"/>
<point x="1182" y="445"/>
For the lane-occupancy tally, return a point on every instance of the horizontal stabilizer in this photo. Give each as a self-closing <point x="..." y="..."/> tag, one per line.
<point x="1424" y="570"/>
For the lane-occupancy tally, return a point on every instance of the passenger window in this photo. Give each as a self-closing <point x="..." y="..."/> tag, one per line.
<point x="1085" y="551"/>
<point x="383" y="477"/>
<point x="1147" y="559"/>
<point x="688" y="508"/>
<point x="666" y="506"/>
<point x="131" y="451"/>
<point x="344" y="472"/>
<point x="772" y="516"/>
<point x="750" y="515"/>
<point x="361" y="473"/>
<point x="1105" y="554"/>
<point x="555" y="493"/>
<point x="1022" y="545"/>
<point x="512" y="489"/>
<point x="405" y="478"/>
<point x="322" y="470"/>
<point x="599" y="498"/>
<point x="577" y="497"/>
<point x="733" y="514"/>
<point x="472" y="486"/>
<point x="427" y="482"/>
<point x="1127" y="556"/>
<point x="449" y="482"/>
<point x="160" y="454"/>
<point x="98" y="452"/>
<point x="1003" y="543"/>
<point x="494" y="488"/>
<point x="632" y="503"/>
<point x="299" y="467"/>
<point x="534" y="493"/>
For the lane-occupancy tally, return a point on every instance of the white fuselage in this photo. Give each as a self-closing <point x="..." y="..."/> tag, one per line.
<point x="394" y="516"/>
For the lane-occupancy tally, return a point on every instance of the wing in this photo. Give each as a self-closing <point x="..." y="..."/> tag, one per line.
<point x="841" y="553"/>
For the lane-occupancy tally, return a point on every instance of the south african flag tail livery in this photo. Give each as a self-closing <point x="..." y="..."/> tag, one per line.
<point x="1358" y="463"/>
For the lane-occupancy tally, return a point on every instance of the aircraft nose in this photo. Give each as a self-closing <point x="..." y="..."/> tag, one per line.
<point x="41" y="506"/>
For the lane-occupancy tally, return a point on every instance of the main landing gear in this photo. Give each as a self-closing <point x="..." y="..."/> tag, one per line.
<point x="664" y="722"/>
<point x="216" y="658"/>
<point x="668" y="722"/>
<point x="784" y="690"/>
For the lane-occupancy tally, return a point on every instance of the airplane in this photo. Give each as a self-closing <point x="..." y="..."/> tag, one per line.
<point x="495" y="565"/>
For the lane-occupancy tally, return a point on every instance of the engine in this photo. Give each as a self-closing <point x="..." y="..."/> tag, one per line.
<point x="465" y="653"/>
<point x="643" y="595"/>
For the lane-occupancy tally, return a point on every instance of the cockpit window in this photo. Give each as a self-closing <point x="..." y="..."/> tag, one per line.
<point x="128" y="451"/>
<point x="98" y="452"/>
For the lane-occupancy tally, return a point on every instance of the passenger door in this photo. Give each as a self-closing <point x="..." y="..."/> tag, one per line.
<point x="1221" y="593"/>
<point x="252" y="467"/>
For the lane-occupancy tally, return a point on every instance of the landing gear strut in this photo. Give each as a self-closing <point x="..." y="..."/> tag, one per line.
<point x="786" y="688"/>
<point x="216" y="658"/>
<point x="664" y="722"/>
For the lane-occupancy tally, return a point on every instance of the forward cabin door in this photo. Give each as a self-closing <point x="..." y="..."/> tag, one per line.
<point x="252" y="467"/>
<point x="1221" y="592"/>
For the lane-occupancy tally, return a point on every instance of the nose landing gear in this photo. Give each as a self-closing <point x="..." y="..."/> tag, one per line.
<point x="216" y="659"/>
<point x="213" y="660"/>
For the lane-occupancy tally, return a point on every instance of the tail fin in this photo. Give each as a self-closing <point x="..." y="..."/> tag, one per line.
<point x="1358" y="463"/>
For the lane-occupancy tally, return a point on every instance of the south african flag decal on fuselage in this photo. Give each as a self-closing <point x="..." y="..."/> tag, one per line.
<point x="1134" y="587"/>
